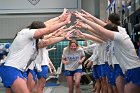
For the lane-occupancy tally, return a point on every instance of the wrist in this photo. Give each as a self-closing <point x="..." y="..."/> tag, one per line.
<point x="83" y="37"/>
<point x="64" y="37"/>
<point x="80" y="62"/>
<point x="58" y="17"/>
<point x="86" y="27"/>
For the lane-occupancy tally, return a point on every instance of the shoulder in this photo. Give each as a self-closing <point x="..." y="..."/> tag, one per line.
<point x="122" y="30"/>
<point x="27" y="32"/>
<point x="80" y="49"/>
<point x="65" y="50"/>
<point x="92" y="45"/>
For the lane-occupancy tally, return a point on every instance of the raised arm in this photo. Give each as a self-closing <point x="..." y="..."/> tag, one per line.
<point x="53" y="40"/>
<point x="55" y="33"/>
<point x="49" y="29"/>
<point x="101" y="30"/>
<point x="88" y="36"/>
<point x="81" y="25"/>
<point x="88" y="15"/>
<point x="53" y="20"/>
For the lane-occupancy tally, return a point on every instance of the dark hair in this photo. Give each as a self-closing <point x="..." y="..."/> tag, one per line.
<point x="36" y="25"/>
<point x="111" y="27"/>
<point x="114" y="18"/>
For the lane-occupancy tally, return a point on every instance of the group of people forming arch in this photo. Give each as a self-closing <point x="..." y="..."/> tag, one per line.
<point x="116" y="66"/>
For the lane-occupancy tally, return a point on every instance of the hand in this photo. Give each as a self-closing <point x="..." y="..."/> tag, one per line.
<point x="60" y="31"/>
<point x="68" y="20"/>
<point x="80" y="62"/>
<point x="78" y="15"/>
<point x="70" y="28"/>
<point x="65" y="18"/>
<point x="64" y="12"/>
<point x="90" y="63"/>
<point x="54" y="71"/>
<point x="86" y="14"/>
<point x="78" y="33"/>
<point x="80" y="24"/>
<point x="85" y="63"/>
<point x="69" y="35"/>
<point x="66" y="62"/>
<point x="63" y="27"/>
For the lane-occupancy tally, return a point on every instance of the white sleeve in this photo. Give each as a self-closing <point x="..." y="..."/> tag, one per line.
<point x="29" y="33"/>
<point x="93" y="58"/>
<point x="82" y="53"/>
<point x="90" y="48"/>
<point x="64" y="53"/>
<point x="118" y="36"/>
<point x="38" y="67"/>
<point x="122" y="30"/>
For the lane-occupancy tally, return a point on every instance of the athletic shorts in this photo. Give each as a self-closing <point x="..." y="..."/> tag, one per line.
<point x="103" y="70"/>
<point x="43" y="73"/>
<point x="33" y="72"/>
<point x="110" y="73"/>
<point x="133" y="75"/>
<point x="9" y="75"/>
<point x="71" y="73"/>
<point x="118" y="71"/>
<point x="96" y="71"/>
<point x="25" y="74"/>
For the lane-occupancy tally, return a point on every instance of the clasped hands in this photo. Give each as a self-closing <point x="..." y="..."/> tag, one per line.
<point x="73" y="30"/>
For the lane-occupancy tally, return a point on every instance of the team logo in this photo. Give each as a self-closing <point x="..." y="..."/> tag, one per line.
<point x="33" y="2"/>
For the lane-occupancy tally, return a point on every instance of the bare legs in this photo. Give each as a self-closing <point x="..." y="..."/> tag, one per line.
<point x="120" y="84"/>
<point x="71" y="82"/>
<point x="131" y="88"/>
<point x="19" y="86"/>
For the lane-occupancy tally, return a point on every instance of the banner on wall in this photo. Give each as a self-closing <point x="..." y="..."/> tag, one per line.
<point x="111" y="4"/>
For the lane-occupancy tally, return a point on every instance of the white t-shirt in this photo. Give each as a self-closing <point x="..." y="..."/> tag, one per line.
<point x="111" y="54"/>
<point x="31" y="66"/>
<point x="45" y="55"/>
<point x="125" y="52"/>
<point x="101" y="53"/>
<point x="94" y="56"/>
<point x="41" y="59"/>
<point x="73" y="58"/>
<point x="122" y="30"/>
<point x="89" y="49"/>
<point x="21" y="50"/>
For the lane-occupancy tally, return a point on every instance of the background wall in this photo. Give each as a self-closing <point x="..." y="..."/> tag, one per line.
<point x="37" y="6"/>
<point x="18" y="14"/>
<point x="96" y="7"/>
<point x="14" y="17"/>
